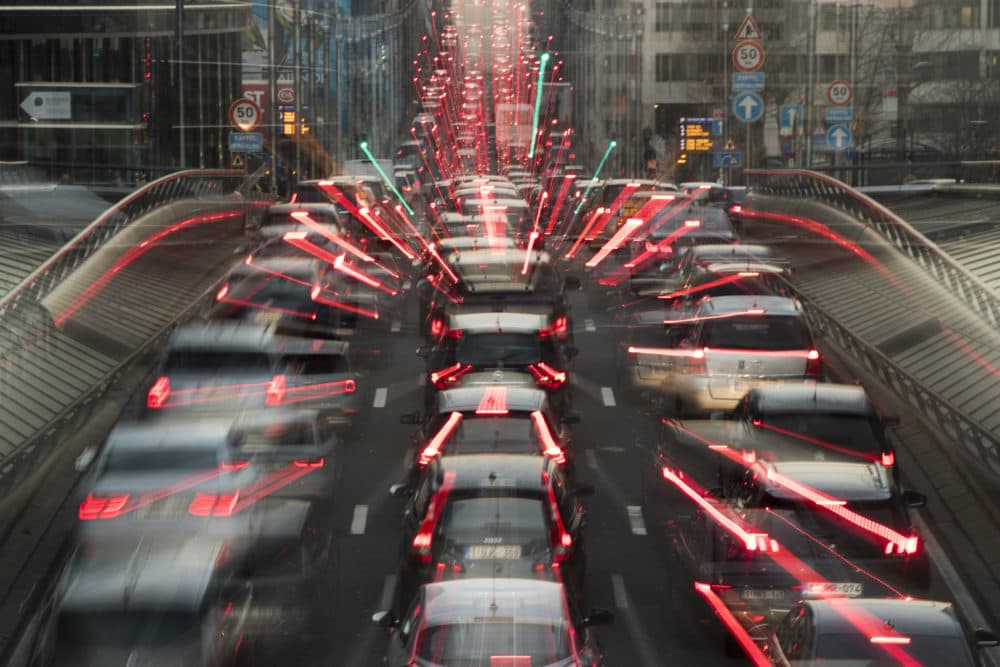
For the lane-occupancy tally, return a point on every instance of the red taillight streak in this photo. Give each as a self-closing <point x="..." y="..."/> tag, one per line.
<point x="588" y="226"/>
<point x="275" y="392"/>
<point x="558" y="327"/>
<point x="493" y="402"/>
<point x="814" y="441"/>
<point x="318" y="297"/>
<point x="223" y="291"/>
<point x="249" y="262"/>
<point x="270" y="484"/>
<point x="630" y="227"/>
<point x="718" y="282"/>
<point x="133" y="254"/>
<point x="882" y="639"/>
<point x="433" y="447"/>
<point x="102" y="507"/>
<point x="367" y="217"/>
<point x="311" y="392"/>
<point x="743" y="637"/>
<point x="268" y="308"/>
<point x="180" y="397"/>
<point x="546" y="376"/>
<point x="560" y="200"/>
<point x="562" y="541"/>
<point x="613" y="209"/>
<point x="210" y="504"/>
<point x="303" y="217"/>
<point x="527" y="253"/>
<point x="341" y="265"/>
<point x="158" y="394"/>
<point x="549" y="446"/>
<point x="444" y="265"/>
<point x="421" y="544"/>
<point x="135" y="502"/>
<point x="665" y="352"/>
<point x="450" y="375"/>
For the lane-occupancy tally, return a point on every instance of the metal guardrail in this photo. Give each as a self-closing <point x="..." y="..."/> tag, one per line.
<point x="803" y="184"/>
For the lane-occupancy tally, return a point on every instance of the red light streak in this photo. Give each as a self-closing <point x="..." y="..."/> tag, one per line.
<point x="563" y="540"/>
<point x="269" y="308"/>
<point x="718" y="282"/>
<point x="341" y="265"/>
<point x="444" y="265"/>
<point x="311" y="392"/>
<point x="372" y="223"/>
<point x="493" y="402"/>
<point x="527" y="253"/>
<point x="422" y="540"/>
<point x="560" y="200"/>
<point x="746" y="642"/>
<point x="433" y="447"/>
<point x="815" y="441"/>
<point x="549" y="446"/>
<point x="318" y="296"/>
<point x="450" y="375"/>
<point x="630" y="227"/>
<point x="303" y="217"/>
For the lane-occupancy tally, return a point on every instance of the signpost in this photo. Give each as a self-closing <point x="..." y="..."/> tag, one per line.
<point x="838" y="137"/>
<point x="748" y="107"/>
<point x="839" y="114"/>
<point x="748" y="56"/>
<point x="245" y="114"/>
<point x="246" y="142"/>
<point x="748" y="81"/>
<point x="696" y="134"/>
<point x="48" y="105"/>
<point x="839" y="93"/>
<point x="721" y="160"/>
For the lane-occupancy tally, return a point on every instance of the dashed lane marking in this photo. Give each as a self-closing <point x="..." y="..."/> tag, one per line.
<point x="589" y="325"/>
<point x="396" y="326"/>
<point x="618" y="589"/>
<point x="359" y="520"/>
<point x="380" y="395"/>
<point x="608" y="396"/>
<point x="635" y="520"/>
<point x="591" y="458"/>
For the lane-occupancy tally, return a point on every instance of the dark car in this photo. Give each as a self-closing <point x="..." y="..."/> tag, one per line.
<point x="493" y="515"/>
<point x="874" y="631"/>
<point x="490" y="622"/>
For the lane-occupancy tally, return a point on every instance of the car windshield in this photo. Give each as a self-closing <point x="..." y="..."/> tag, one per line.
<point x="477" y="644"/>
<point x="855" y="433"/>
<point x="218" y="363"/>
<point x="922" y="649"/>
<point x="161" y="458"/>
<point x="126" y="629"/>
<point x="494" y="350"/>
<point x="756" y="332"/>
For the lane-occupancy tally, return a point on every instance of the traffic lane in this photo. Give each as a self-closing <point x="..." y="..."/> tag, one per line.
<point x="658" y="617"/>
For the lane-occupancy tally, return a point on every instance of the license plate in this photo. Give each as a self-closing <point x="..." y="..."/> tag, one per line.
<point x="848" y="589"/>
<point x="494" y="551"/>
<point x="266" y="317"/>
<point x="762" y="594"/>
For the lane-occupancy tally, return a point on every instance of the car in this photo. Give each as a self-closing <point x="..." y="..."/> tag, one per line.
<point x="493" y="418"/>
<point x="321" y="219"/>
<point x="166" y="601"/>
<point x="734" y="343"/>
<point x="223" y="365"/>
<point x="644" y="341"/>
<point x="274" y="438"/>
<point x="477" y="347"/>
<point x="497" y="515"/>
<point x="874" y="631"/>
<point x="489" y="622"/>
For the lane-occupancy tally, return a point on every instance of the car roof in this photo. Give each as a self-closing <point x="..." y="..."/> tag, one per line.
<point x="465" y="399"/>
<point x="514" y="256"/>
<point x="909" y="617"/>
<point x="723" y="250"/>
<point x="750" y="265"/>
<point x="302" y="206"/>
<point x="817" y="398"/>
<point x="224" y="335"/>
<point x="311" y="346"/>
<point x="472" y="243"/>
<point x="263" y="418"/>
<point x="146" y="575"/>
<point x="476" y="599"/>
<point x="480" y="471"/>
<point x="170" y="433"/>
<point x="772" y="305"/>
<point x="850" y="481"/>
<point x="492" y="322"/>
<point x="289" y="265"/>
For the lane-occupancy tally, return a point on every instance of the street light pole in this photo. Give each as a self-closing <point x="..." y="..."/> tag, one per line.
<point x="179" y="13"/>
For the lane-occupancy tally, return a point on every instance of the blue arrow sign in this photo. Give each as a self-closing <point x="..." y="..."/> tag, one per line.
<point x="839" y="114"/>
<point x="790" y="114"/>
<point x="748" y="107"/>
<point x="727" y="159"/>
<point x="838" y="137"/>
<point x="246" y="142"/>
<point x="748" y="81"/>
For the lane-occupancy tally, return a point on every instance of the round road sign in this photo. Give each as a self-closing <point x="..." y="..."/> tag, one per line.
<point x="839" y="93"/>
<point x="748" y="56"/>
<point x="244" y="114"/>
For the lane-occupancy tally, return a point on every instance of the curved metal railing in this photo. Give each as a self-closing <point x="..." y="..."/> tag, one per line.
<point x="804" y="184"/>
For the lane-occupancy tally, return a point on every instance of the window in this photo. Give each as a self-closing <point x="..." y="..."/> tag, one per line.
<point x="663" y="67"/>
<point x="662" y="22"/>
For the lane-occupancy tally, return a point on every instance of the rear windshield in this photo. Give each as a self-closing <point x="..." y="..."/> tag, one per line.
<point x="498" y="349"/>
<point x="846" y="538"/>
<point x="475" y="644"/>
<point x="153" y="460"/>
<point x="314" y="364"/>
<point x="275" y="435"/>
<point x="510" y="434"/>
<point x="760" y="332"/>
<point x="218" y="362"/>
<point x="128" y="629"/>
<point x="511" y="519"/>
<point x="924" y="650"/>
<point x="855" y="433"/>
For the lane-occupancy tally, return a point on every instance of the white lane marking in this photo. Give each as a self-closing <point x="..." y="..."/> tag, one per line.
<point x="963" y="598"/>
<point x="589" y="325"/>
<point x="635" y="520"/>
<point x="591" y="458"/>
<point x="618" y="589"/>
<point x="396" y="326"/>
<point x="388" y="589"/>
<point x="421" y="378"/>
<point x="613" y="450"/>
<point x="359" y="519"/>
<point x="608" y="396"/>
<point x="380" y="395"/>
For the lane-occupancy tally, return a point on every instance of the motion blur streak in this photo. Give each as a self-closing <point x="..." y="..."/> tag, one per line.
<point x="746" y="642"/>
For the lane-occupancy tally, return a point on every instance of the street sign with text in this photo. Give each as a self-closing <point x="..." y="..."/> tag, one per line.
<point x="839" y="93"/>
<point x="244" y="114"/>
<point x="839" y="114"/>
<point x="246" y="142"/>
<point x="748" y="81"/>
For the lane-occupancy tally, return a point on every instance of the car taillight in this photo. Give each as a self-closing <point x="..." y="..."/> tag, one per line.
<point x="223" y="291"/>
<point x="421" y="545"/>
<point x="102" y="507"/>
<point x="310" y="463"/>
<point x="433" y="447"/>
<point x="230" y="466"/>
<point x="888" y="459"/>
<point x="275" y="391"/>
<point x="158" y="394"/>
<point x="814" y="363"/>
<point x="546" y="376"/>
<point x="696" y="365"/>
<point x="736" y="208"/>
<point x="562" y="541"/>
<point x="211" y="504"/>
<point x="446" y="377"/>
<point x="557" y="328"/>
<point x="549" y="446"/>
<point x="907" y="547"/>
<point x="437" y="327"/>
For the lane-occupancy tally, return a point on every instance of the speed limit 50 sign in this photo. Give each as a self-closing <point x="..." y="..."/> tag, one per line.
<point x="748" y="56"/>
<point x="244" y="114"/>
<point x="839" y="93"/>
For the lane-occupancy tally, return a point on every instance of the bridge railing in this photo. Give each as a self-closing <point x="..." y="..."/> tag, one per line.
<point x="804" y="184"/>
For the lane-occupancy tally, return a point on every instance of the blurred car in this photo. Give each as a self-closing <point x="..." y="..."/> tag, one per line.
<point x="284" y="436"/>
<point x="149" y="602"/>
<point x="874" y="631"/>
<point x="495" y="515"/>
<point x="734" y="343"/>
<point x="489" y="622"/>
<point x="483" y="347"/>
<point x="321" y="219"/>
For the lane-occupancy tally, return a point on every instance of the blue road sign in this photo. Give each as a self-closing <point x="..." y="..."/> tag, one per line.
<point x="790" y="114"/>
<point x="246" y="142"/>
<point x="716" y="127"/>
<point x="748" y="107"/>
<point x="839" y="114"/>
<point x="838" y="137"/>
<point x="727" y="159"/>
<point x="748" y="81"/>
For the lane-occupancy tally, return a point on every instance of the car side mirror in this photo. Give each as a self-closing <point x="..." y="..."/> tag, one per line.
<point x="572" y="283"/>
<point x="914" y="499"/>
<point x="399" y="489"/>
<point x="599" y="617"/>
<point x="571" y="418"/>
<point x="385" y="619"/>
<point x="571" y="351"/>
<point x="409" y="418"/>
<point x="585" y="489"/>
<point x="985" y="639"/>
<point x="423" y="351"/>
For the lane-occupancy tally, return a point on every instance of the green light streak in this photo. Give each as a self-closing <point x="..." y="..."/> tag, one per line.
<point x="538" y="104"/>
<point x="392" y="186"/>
<point x="611" y="147"/>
